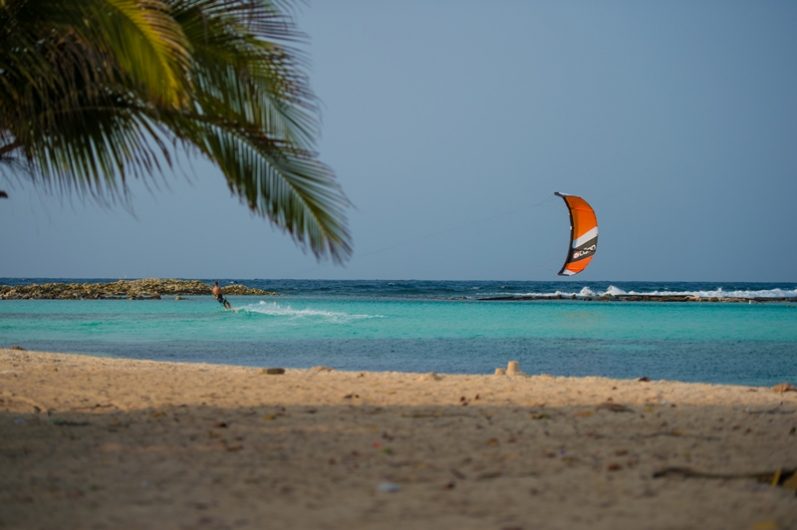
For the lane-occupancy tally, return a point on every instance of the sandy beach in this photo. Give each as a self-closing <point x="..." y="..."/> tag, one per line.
<point x="89" y="442"/>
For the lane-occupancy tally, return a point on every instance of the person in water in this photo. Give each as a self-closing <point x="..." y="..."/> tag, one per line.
<point x="219" y="296"/>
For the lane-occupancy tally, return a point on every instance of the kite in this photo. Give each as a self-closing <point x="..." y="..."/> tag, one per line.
<point x="583" y="234"/>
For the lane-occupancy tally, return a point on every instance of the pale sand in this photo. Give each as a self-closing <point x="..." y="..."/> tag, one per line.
<point x="91" y="442"/>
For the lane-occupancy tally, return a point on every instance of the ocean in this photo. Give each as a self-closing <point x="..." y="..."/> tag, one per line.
<point x="441" y="326"/>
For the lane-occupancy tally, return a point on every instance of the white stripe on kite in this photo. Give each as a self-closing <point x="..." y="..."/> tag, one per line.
<point x="586" y="237"/>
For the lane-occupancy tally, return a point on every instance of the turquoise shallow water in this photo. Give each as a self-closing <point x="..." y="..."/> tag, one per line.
<point x="425" y="327"/>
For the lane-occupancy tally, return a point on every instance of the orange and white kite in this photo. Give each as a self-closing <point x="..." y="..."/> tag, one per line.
<point x="583" y="234"/>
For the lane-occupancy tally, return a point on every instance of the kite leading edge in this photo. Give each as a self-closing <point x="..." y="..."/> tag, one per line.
<point x="583" y="234"/>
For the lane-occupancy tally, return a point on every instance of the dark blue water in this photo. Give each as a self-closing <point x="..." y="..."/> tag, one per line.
<point x="452" y="289"/>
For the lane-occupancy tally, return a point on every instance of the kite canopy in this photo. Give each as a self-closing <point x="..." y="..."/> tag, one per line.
<point x="583" y="234"/>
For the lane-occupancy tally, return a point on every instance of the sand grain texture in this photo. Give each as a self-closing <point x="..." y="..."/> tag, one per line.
<point x="91" y="442"/>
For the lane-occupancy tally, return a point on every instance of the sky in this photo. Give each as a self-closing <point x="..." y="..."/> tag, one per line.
<point x="450" y="124"/>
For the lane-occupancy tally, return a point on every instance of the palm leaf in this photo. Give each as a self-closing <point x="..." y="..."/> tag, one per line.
<point x="95" y="92"/>
<point x="258" y="119"/>
<point x="143" y="40"/>
<point x="250" y="69"/>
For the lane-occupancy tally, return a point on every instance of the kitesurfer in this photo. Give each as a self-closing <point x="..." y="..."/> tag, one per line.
<point x="219" y="296"/>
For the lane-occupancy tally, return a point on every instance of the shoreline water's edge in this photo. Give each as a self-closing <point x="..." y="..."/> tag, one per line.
<point x="513" y="371"/>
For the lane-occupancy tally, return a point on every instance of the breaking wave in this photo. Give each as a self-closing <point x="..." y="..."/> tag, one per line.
<point x="611" y="291"/>
<point x="714" y="293"/>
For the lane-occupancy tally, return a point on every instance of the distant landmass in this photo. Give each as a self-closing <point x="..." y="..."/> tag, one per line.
<point x="144" y="289"/>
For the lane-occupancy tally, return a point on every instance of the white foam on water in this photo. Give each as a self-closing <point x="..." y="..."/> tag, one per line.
<point x="275" y="309"/>
<point x="612" y="290"/>
<point x="715" y="293"/>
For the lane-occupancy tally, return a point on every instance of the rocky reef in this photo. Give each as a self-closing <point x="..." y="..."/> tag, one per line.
<point x="144" y="289"/>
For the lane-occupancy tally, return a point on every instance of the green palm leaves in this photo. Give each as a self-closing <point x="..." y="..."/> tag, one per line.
<point x="93" y="92"/>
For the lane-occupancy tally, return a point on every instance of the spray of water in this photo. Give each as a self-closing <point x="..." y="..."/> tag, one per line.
<point x="274" y="309"/>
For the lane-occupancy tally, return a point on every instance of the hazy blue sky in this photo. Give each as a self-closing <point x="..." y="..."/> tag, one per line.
<point x="451" y="123"/>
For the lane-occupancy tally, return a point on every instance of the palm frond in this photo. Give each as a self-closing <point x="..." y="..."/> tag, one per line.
<point x="242" y="58"/>
<point x="94" y="92"/>
<point x="258" y="119"/>
<point x="98" y="150"/>
<point x="277" y="181"/>
<point x="145" y="41"/>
